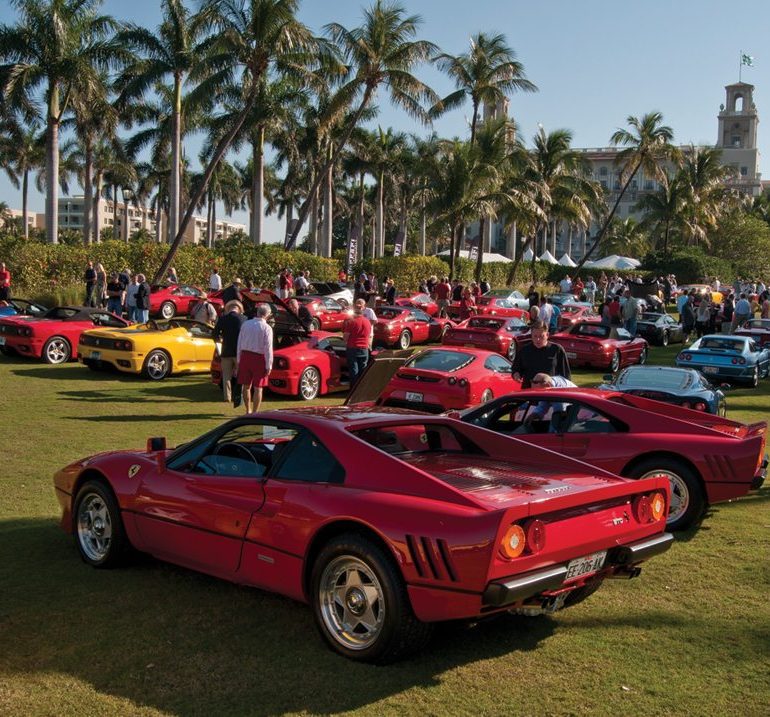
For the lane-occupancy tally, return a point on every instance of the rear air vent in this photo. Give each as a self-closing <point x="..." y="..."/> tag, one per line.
<point x="432" y="559"/>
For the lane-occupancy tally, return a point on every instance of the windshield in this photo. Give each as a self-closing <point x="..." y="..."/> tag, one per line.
<point x="384" y="312"/>
<point x="417" y="438"/>
<point x="720" y="344"/>
<point x="654" y="378"/>
<point x="651" y="317"/>
<point x="439" y="360"/>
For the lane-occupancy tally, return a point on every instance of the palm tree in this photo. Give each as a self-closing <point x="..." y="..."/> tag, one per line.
<point x="58" y="45"/>
<point x="379" y="52"/>
<point x="176" y="50"/>
<point x="486" y="74"/>
<point x="662" y="211"/>
<point x="647" y="147"/>
<point x="22" y="150"/>
<point x="626" y="237"/>
<point x="386" y="148"/>
<point x="253" y="38"/>
<point x="558" y="183"/>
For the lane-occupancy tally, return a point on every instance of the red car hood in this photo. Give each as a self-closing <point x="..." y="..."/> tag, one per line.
<point x="505" y="484"/>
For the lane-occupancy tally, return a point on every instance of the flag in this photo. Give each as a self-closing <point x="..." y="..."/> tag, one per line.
<point x="398" y="247"/>
<point x="747" y="60"/>
<point x="353" y="240"/>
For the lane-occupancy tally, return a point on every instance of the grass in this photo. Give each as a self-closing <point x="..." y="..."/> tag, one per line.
<point x="690" y="637"/>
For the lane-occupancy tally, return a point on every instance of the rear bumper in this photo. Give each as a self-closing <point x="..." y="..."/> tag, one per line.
<point x="25" y="345"/>
<point x="507" y="592"/>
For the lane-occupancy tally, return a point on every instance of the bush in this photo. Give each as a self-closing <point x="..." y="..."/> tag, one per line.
<point x="690" y="265"/>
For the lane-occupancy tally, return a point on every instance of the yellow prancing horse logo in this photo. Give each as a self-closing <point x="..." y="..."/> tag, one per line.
<point x="133" y="470"/>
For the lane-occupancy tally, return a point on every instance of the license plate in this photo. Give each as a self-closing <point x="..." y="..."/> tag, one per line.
<point x="710" y="369"/>
<point x="413" y="396"/>
<point x="571" y="354"/>
<point x="2" y="340"/>
<point x="470" y="346"/>
<point x="96" y="356"/>
<point x="583" y="566"/>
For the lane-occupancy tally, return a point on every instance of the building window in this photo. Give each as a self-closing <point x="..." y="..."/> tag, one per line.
<point x="736" y="141"/>
<point x="634" y="184"/>
<point x="603" y="182"/>
<point x="649" y="185"/>
<point x="602" y="171"/>
<point x="744" y="171"/>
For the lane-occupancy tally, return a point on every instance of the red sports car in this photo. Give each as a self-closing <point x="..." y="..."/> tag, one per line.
<point x="383" y="521"/>
<point x="571" y="314"/>
<point x="403" y="326"/>
<point x="504" y="336"/>
<point x="53" y="335"/>
<point x="707" y="459"/>
<point x="758" y="329"/>
<point x="600" y="346"/>
<point x="440" y="379"/>
<point x="304" y="367"/>
<point x="498" y="306"/>
<point x="327" y="314"/>
<point x="419" y="301"/>
<point x="168" y="301"/>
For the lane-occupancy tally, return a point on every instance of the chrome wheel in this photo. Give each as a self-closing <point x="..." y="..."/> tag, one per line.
<point x="680" y="493"/>
<point x="94" y="527"/>
<point x="351" y="602"/>
<point x="309" y="383"/>
<point x="487" y="395"/>
<point x="615" y="363"/>
<point x="167" y="310"/>
<point x="664" y="339"/>
<point x="511" y="353"/>
<point x="56" y="350"/>
<point x="157" y="365"/>
<point x="643" y="357"/>
<point x="315" y="325"/>
<point x="405" y="340"/>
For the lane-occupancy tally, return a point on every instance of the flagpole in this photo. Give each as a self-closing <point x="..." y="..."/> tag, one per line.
<point x="740" y="64"/>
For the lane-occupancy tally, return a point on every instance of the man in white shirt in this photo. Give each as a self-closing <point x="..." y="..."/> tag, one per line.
<point x="215" y="281"/>
<point x="301" y="283"/>
<point x="254" y="358"/>
<point x="565" y="285"/>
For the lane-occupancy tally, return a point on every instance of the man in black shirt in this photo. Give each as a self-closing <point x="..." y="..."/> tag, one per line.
<point x="90" y="279"/>
<point x="232" y="292"/>
<point x="540" y="357"/>
<point x="227" y="329"/>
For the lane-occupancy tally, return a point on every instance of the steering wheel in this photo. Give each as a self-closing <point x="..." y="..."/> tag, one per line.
<point x="235" y="450"/>
<point x="152" y="325"/>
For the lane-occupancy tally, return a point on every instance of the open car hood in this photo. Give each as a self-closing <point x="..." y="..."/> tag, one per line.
<point x="378" y="373"/>
<point x="283" y="321"/>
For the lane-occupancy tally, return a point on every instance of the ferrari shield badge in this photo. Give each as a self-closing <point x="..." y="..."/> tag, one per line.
<point x="133" y="470"/>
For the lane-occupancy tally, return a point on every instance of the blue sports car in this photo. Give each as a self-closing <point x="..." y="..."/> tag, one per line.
<point x="737" y="359"/>
<point x="23" y="307"/>
<point x="683" y="387"/>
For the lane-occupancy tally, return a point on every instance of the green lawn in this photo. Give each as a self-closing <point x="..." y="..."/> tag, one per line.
<point x="691" y="636"/>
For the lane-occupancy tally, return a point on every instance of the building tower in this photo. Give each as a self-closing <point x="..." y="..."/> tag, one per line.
<point x="738" y="121"/>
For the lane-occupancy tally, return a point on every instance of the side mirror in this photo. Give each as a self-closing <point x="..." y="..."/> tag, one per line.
<point x="607" y="377"/>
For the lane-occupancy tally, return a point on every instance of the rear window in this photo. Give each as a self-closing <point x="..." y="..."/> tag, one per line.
<point x="481" y="322"/>
<point x="650" y="317"/>
<point x="61" y="313"/>
<point x="439" y="360"/>
<point x="654" y="378"/>
<point x="597" y="330"/>
<point x="385" y="313"/>
<point x="417" y="438"/>
<point x="722" y="344"/>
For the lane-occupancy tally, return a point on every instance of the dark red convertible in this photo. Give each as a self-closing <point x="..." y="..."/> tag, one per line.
<point x="383" y="521"/>
<point x="400" y="327"/>
<point x="708" y="459"/>
<point x="504" y="336"/>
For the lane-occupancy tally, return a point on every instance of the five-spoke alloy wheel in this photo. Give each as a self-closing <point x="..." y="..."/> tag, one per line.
<point x="57" y="350"/>
<point x="157" y="365"/>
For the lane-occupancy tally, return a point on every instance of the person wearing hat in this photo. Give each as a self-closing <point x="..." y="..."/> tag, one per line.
<point x="204" y="312"/>
<point x="232" y="292"/>
<point x="227" y="330"/>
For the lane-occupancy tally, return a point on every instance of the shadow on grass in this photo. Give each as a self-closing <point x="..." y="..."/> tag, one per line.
<point x="143" y="418"/>
<point x="182" y="642"/>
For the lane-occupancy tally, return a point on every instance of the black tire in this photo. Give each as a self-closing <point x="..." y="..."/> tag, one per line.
<point x="643" y="356"/>
<point x="96" y="513"/>
<point x="310" y="383"/>
<point x="168" y="310"/>
<point x="664" y="339"/>
<point x="315" y="324"/>
<point x="685" y="486"/>
<point x="396" y="632"/>
<point x="94" y="365"/>
<point x="8" y="351"/>
<point x="157" y="365"/>
<point x="583" y="592"/>
<point x="57" y="350"/>
<point x="405" y="339"/>
<point x="615" y="361"/>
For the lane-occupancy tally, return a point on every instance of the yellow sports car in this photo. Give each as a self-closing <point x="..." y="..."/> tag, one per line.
<point x="155" y="349"/>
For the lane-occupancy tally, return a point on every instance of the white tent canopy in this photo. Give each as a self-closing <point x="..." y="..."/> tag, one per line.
<point x="489" y="257"/>
<point x="528" y="255"/>
<point x="547" y="256"/>
<point x="566" y="261"/>
<point x="613" y="261"/>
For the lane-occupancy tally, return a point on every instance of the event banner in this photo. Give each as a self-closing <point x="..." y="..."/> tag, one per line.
<point x="473" y="252"/>
<point x="353" y="239"/>
<point x="398" y="247"/>
<point x="288" y="244"/>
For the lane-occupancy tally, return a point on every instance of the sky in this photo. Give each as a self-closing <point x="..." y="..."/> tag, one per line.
<point x="595" y="62"/>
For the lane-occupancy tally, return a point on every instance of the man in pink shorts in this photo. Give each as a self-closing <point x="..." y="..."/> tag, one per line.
<point x="255" y="357"/>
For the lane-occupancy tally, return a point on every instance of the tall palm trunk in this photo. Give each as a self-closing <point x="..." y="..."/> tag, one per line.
<point x="176" y="159"/>
<point x="453" y="240"/>
<point x="52" y="168"/>
<point x="289" y="217"/>
<point x="24" y="198"/>
<point x="115" y="212"/>
<point x="423" y="226"/>
<point x="327" y="234"/>
<point x="258" y="186"/>
<point x="480" y="254"/>
<point x="95" y="238"/>
<point x="87" y="189"/>
<point x="380" y="216"/>
<point x="127" y="220"/>
<point x="314" y="223"/>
